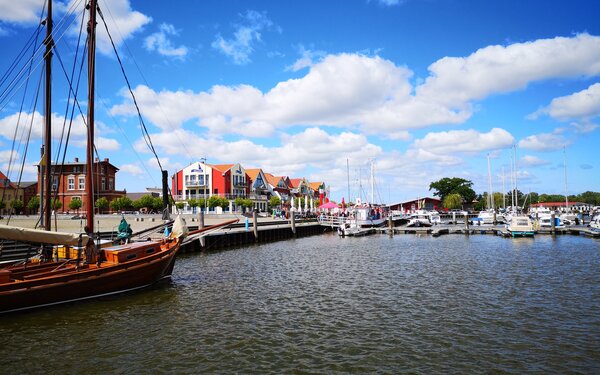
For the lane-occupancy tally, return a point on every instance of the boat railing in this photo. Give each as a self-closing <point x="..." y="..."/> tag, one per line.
<point x="332" y="220"/>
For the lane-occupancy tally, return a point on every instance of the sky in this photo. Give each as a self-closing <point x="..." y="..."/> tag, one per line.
<point x="409" y="91"/>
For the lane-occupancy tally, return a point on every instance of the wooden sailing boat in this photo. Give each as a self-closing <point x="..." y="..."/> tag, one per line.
<point x="95" y="271"/>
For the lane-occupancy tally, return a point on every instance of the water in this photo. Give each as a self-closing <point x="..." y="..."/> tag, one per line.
<point x="329" y="305"/>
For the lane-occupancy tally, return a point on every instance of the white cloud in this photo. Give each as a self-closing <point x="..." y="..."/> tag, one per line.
<point x="465" y="141"/>
<point x="160" y="42"/>
<point x="133" y="169"/>
<point x="584" y="127"/>
<point x="455" y="81"/>
<point x="532" y="161"/>
<point x="247" y="34"/>
<point x="122" y="23"/>
<point x="584" y="104"/>
<point x="306" y="60"/>
<point x="107" y="144"/>
<point x="21" y="11"/>
<point x="9" y="123"/>
<point x="543" y="142"/>
<point x="371" y="93"/>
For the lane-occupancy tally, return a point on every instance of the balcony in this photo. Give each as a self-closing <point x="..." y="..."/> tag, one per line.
<point x="195" y="183"/>
<point x="254" y="197"/>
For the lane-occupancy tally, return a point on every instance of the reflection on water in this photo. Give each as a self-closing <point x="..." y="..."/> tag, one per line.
<point x="330" y="305"/>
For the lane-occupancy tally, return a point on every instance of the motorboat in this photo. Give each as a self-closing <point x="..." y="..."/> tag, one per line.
<point x="420" y="218"/>
<point x="521" y="226"/>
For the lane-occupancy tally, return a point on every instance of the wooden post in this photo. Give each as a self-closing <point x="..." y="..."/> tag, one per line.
<point x="467" y="223"/>
<point x="453" y="217"/>
<point x="200" y="226"/>
<point x="495" y="220"/>
<point x="255" y="225"/>
<point x="552" y="223"/>
<point x="293" y="221"/>
<point x="391" y="226"/>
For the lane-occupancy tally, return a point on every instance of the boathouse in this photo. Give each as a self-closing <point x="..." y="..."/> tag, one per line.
<point x="426" y="203"/>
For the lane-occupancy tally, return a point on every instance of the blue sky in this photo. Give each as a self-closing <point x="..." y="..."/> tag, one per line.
<point x="423" y="88"/>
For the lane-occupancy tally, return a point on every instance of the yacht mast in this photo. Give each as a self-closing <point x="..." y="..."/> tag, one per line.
<point x="490" y="201"/>
<point x="89" y="203"/>
<point x="566" y="189"/>
<point x="372" y="182"/>
<point x="47" y="158"/>
<point x="503" y="191"/>
<point x="348" y="177"/>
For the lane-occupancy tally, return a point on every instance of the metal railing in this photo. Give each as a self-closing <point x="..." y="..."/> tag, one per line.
<point x="332" y="220"/>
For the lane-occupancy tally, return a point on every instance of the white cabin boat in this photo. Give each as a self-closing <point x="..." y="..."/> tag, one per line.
<point x="420" y="219"/>
<point x="521" y="226"/>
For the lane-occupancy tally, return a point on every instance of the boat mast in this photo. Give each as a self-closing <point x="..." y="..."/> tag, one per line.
<point x="515" y="197"/>
<point x="46" y="160"/>
<point x="490" y="201"/>
<point x="89" y="203"/>
<point x="348" y="176"/>
<point x="372" y="181"/>
<point x="566" y="189"/>
<point x="503" y="190"/>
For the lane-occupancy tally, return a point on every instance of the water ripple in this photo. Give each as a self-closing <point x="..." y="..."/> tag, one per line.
<point x="329" y="305"/>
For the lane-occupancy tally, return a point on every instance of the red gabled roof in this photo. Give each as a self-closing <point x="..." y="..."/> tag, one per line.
<point x="221" y="167"/>
<point x="4" y="178"/>
<point x="272" y="180"/>
<point x="253" y="173"/>
<point x="556" y="204"/>
<point x="295" y="182"/>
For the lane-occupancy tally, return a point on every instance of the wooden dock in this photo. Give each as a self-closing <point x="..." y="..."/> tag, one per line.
<point x="497" y="230"/>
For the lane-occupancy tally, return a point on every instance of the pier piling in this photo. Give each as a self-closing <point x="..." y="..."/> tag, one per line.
<point x="255" y="225"/>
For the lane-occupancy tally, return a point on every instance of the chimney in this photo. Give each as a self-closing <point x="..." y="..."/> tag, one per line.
<point x="76" y="160"/>
<point x="106" y="160"/>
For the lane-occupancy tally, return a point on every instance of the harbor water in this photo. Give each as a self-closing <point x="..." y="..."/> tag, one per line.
<point x="325" y="305"/>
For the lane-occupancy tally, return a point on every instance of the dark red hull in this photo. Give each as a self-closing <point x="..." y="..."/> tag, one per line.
<point x="89" y="282"/>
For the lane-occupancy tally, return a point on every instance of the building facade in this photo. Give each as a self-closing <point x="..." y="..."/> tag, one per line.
<point x="231" y="181"/>
<point x="69" y="181"/>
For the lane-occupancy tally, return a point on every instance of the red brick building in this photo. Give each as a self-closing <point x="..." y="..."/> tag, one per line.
<point x="69" y="179"/>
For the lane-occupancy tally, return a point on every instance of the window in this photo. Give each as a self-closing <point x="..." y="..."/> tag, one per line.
<point x="111" y="184"/>
<point x="81" y="183"/>
<point x="201" y="180"/>
<point x="71" y="182"/>
<point x="103" y="184"/>
<point x="54" y="183"/>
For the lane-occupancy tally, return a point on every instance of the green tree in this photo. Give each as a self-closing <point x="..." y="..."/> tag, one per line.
<point x="157" y="204"/>
<point x="179" y="205"/>
<point x="101" y="204"/>
<point x="243" y="203"/>
<point x="75" y="204"/>
<point x="56" y="204"/>
<point x="34" y="204"/>
<point x="145" y="201"/>
<point x="453" y="200"/>
<point x="214" y="201"/>
<point x="274" y="202"/>
<point x="193" y="203"/>
<point x="247" y="203"/>
<point x="223" y="202"/>
<point x="447" y="186"/>
<point x="201" y="203"/>
<point x="17" y="205"/>
<point x="121" y="204"/>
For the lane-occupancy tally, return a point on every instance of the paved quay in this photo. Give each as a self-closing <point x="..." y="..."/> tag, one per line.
<point x="110" y="223"/>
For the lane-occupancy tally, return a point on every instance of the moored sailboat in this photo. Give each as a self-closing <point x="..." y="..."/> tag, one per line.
<point x="93" y="271"/>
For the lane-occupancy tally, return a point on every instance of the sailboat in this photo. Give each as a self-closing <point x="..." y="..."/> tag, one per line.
<point x="95" y="271"/>
<point x="520" y="225"/>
